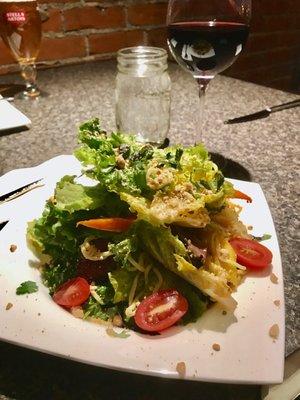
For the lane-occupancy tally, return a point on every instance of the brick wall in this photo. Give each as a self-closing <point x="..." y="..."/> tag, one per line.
<point x="272" y="54"/>
<point x="84" y="30"/>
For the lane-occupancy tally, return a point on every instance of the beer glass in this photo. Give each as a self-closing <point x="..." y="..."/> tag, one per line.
<point x="20" y="28"/>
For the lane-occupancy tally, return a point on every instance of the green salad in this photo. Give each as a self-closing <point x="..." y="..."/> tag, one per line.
<point x="146" y="244"/>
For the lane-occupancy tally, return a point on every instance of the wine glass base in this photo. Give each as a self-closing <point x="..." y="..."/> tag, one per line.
<point x="24" y="95"/>
<point x="230" y="168"/>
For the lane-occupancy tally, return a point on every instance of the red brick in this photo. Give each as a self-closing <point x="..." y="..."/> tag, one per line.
<point x="147" y="14"/>
<point x="62" y="48"/>
<point x="53" y="23"/>
<point x="268" y="7"/>
<point x="257" y="23"/>
<point x="293" y="6"/>
<point x="284" y="83"/>
<point x="278" y="56"/>
<point x="7" y="69"/>
<point x="5" y="56"/>
<point x="291" y="38"/>
<point x="262" y="42"/>
<point x="264" y="74"/>
<point x="157" y="38"/>
<point x="276" y="23"/>
<point x="112" y="42"/>
<point x="248" y="61"/>
<point x="57" y="1"/>
<point x="94" y="17"/>
<point x="294" y="21"/>
<point x="271" y="58"/>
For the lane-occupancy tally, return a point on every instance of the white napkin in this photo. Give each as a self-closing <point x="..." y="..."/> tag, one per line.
<point x="11" y="117"/>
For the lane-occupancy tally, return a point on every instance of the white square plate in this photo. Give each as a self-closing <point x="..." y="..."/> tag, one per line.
<point x="11" y="117"/>
<point x="247" y="355"/>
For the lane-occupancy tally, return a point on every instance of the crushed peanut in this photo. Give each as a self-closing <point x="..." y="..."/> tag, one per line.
<point x="181" y="369"/>
<point x="274" y="331"/>
<point x="13" y="248"/>
<point x="216" y="347"/>
<point x="273" y="278"/>
<point x="8" y="306"/>
<point x="52" y="200"/>
<point x="121" y="163"/>
<point x="277" y="303"/>
<point x="77" y="312"/>
<point x="117" y="321"/>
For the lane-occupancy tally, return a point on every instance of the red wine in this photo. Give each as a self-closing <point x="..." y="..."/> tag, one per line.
<point x="206" y="48"/>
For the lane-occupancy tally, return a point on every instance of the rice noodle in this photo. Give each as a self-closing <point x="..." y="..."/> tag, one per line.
<point x="160" y="280"/>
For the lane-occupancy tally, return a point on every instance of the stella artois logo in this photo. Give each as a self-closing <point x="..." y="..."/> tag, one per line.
<point x="15" y="17"/>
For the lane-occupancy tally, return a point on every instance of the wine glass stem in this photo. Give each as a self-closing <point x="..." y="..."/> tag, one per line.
<point x="203" y="84"/>
<point x="28" y="72"/>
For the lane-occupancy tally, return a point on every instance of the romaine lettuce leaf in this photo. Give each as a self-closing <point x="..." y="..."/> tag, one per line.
<point x="172" y="254"/>
<point x="121" y="280"/>
<point x="70" y="196"/>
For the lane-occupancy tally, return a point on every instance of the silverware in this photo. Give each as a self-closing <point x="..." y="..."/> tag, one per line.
<point x="2" y="224"/>
<point x="20" y="191"/>
<point x="263" y="113"/>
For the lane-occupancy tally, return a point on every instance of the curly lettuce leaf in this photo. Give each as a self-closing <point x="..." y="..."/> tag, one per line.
<point x="172" y="185"/>
<point x="54" y="237"/>
<point x="99" y="152"/>
<point x="123" y="249"/>
<point x="55" y="275"/>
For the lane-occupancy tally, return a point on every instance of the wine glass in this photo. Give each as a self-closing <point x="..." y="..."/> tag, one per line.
<point x="206" y="36"/>
<point x="20" y="28"/>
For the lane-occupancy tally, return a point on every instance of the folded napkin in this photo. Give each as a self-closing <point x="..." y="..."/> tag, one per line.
<point x="11" y="117"/>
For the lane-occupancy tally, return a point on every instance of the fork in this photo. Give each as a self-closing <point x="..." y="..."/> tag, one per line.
<point x="2" y="224"/>
<point x="20" y="191"/>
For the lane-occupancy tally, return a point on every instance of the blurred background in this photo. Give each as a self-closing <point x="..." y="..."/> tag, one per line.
<point x="81" y="31"/>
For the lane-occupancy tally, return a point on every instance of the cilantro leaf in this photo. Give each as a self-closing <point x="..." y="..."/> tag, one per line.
<point x="266" y="236"/>
<point x="121" y="335"/>
<point x="27" y="287"/>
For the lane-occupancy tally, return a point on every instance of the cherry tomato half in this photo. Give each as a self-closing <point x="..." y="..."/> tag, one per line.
<point x="251" y="254"/>
<point x="160" y="310"/>
<point x="72" y="293"/>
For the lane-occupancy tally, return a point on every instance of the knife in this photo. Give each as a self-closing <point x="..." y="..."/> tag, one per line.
<point x="264" y="113"/>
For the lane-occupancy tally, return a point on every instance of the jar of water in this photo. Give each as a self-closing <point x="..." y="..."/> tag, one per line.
<point x="143" y="89"/>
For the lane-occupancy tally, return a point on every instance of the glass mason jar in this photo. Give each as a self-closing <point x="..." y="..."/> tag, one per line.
<point x="143" y="93"/>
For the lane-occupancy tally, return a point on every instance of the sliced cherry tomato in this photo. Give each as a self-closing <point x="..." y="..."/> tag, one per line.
<point x="251" y="254"/>
<point x="160" y="310"/>
<point x="109" y="224"/>
<point x="72" y="293"/>
<point x="242" y="196"/>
